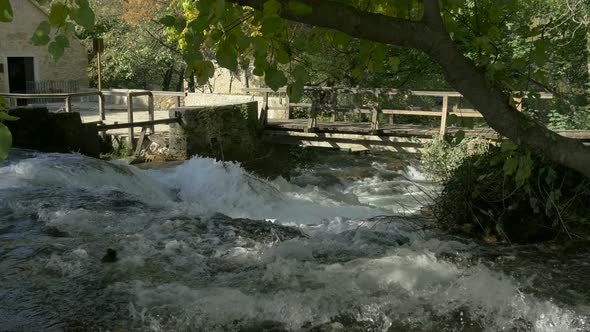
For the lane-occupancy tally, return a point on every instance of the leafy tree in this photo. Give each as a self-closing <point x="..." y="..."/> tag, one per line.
<point x="468" y="58"/>
<point x="138" y="53"/>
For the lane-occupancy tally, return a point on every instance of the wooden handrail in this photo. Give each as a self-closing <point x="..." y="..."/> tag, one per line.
<point x="332" y="107"/>
<point x="391" y="91"/>
<point x="105" y="127"/>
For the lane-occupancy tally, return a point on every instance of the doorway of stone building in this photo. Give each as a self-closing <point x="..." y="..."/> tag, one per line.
<point x="20" y="71"/>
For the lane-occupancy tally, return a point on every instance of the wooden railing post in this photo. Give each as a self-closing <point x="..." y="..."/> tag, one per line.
<point x="68" y="104"/>
<point x="101" y="107"/>
<point x="264" y="111"/>
<point x="313" y="113"/>
<point x="288" y="106"/>
<point x="334" y="104"/>
<point x="151" y="111"/>
<point x="444" y="115"/>
<point x="376" y="111"/>
<point x="130" y="119"/>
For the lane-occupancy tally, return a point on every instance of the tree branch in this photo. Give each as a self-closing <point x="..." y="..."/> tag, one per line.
<point x="354" y="22"/>
<point x="432" y="16"/>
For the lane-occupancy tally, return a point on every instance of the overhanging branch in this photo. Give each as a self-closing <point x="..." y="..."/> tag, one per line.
<point x="432" y="15"/>
<point x="355" y="22"/>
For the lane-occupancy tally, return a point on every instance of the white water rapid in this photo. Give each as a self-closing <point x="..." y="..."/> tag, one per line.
<point x="206" y="246"/>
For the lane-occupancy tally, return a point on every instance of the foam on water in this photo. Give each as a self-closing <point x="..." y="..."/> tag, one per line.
<point x="181" y="267"/>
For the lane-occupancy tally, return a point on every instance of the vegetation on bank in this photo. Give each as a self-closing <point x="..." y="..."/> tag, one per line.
<point x="506" y="193"/>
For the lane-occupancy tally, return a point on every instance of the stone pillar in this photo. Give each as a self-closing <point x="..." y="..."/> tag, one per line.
<point x="53" y="132"/>
<point x="226" y="133"/>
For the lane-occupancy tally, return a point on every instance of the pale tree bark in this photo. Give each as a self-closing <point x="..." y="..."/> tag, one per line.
<point x="430" y="36"/>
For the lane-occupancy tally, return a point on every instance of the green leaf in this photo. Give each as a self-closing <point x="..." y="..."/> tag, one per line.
<point x="508" y="147"/>
<point x="5" y="117"/>
<point x="539" y="54"/>
<point x="192" y="58"/>
<point x="62" y="40"/>
<point x="295" y="92"/>
<point x="261" y="62"/>
<point x="5" y="141"/>
<point x="56" y="50"/>
<point x="459" y="136"/>
<point x="57" y="47"/>
<point x="6" y="14"/>
<point x="299" y="8"/>
<point x="272" y="25"/>
<point x="258" y="72"/>
<point x="58" y="14"/>
<point x="168" y="20"/>
<point x="272" y="7"/>
<point x="275" y="79"/>
<point x="341" y="39"/>
<point x="227" y="56"/>
<point x="300" y="74"/>
<point x="204" y="70"/>
<point x="282" y="55"/>
<point x="394" y="63"/>
<point x="41" y="34"/>
<point x="219" y="8"/>
<point x="358" y="72"/>
<point x="84" y="15"/>
<point x="510" y="166"/>
<point x="180" y="24"/>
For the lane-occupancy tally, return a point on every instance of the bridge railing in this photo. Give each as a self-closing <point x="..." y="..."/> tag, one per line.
<point x="68" y="98"/>
<point x="325" y="99"/>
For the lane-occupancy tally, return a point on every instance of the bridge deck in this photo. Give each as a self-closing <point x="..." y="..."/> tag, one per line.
<point x="397" y="130"/>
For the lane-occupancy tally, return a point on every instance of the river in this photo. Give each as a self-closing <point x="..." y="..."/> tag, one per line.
<point x="206" y="246"/>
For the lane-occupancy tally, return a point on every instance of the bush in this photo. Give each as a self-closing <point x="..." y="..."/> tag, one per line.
<point x="442" y="157"/>
<point x="511" y="194"/>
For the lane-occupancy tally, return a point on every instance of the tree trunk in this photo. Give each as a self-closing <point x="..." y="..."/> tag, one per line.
<point x="430" y="36"/>
<point x="167" y="78"/>
<point x="191" y="82"/>
<point x="180" y="82"/>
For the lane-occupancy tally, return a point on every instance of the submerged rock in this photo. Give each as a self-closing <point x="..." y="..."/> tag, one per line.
<point x="110" y="257"/>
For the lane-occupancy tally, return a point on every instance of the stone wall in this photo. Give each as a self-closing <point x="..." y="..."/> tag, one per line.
<point x="215" y="99"/>
<point x="15" y="42"/>
<point x="223" y="132"/>
<point x="53" y="132"/>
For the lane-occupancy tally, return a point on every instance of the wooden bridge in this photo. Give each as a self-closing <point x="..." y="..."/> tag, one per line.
<point x="334" y="118"/>
<point x="342" y="118"/>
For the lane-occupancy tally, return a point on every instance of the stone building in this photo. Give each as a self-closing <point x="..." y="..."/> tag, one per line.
<point x="22" y="64"/>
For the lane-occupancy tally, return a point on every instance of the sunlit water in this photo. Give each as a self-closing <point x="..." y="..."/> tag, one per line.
<point x="203" y="247"/>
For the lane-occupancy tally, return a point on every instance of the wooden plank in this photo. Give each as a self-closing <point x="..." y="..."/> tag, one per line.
<point x="264" y="112"/>
<point x="68" y="104"/>
<point x="151" y="112"/>
<point x="106" y="127"/>
<point x="49" y="95"/>
<point x="336" y="136"/>
<point x="467" y="114"/>
<point x="411" y="112"/>
<point x="130" y="119"/>
<point x="351" y="146"/>
<point x="140" y="141"/>
<point x="445" y="114"/>
<point x="101" y="107"/>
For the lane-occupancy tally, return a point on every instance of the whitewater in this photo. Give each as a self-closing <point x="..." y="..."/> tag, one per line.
<point x="344" y="245"/>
